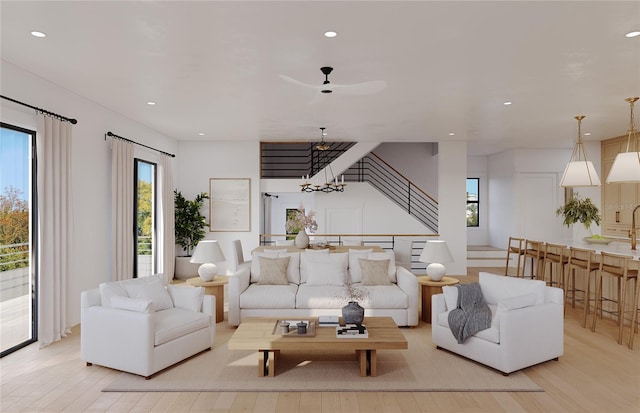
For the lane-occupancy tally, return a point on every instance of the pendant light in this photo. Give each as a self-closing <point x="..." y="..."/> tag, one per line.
<point x="579" y="170"/>
<point x="626" y="166"/>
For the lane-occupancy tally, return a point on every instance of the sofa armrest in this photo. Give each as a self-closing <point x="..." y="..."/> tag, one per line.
<point x="533" y="329"/>
<point x="90" y="298"/>
<point x="408" y="283"/>
<point x="553" y="295"/>
<point x="117" y="338"/>
<point x="238" y="283"/>
<point x="209" y="308"/>
<point x="438" y="306"/>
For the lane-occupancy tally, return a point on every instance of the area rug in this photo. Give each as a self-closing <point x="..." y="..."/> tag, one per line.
<point x="421" y="368"/>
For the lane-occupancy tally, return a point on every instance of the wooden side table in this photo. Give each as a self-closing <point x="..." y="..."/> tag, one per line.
<point x="214" y="287"/>
<point x="429" y="288"/>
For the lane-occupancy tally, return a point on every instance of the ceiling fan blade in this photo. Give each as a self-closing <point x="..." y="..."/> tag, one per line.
<point x="299" y="83"/>
<point x="365" y="88"/>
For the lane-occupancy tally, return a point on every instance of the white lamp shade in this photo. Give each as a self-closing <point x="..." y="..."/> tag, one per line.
<point x="207" y="252"/>
<point x="625" y="168"/>
<point x="436" y="253"/>
<point x="580" y="173"/>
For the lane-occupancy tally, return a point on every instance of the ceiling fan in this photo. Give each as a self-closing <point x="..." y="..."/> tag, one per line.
<point x="364" y="88"/>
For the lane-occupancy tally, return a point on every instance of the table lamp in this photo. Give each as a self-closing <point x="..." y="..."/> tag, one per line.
<point x="435" y="253"/>
<point x="207" y="252"/>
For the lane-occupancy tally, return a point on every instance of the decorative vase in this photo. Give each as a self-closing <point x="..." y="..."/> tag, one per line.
<point x="302" y="239"/>
<point x="352" y="313"/>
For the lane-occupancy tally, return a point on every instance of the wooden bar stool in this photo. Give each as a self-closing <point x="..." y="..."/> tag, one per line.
<point x="535" y="251"/>
<point x="555" y="255"/>
<point x="617" y="266"/>
<point x="634" y="317"/>
<point x="515" y="246"/>
<point x="582" y="260"/>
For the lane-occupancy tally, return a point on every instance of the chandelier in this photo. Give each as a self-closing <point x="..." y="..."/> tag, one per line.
<point x="331" y="183"/>
<point x="626" y="165"/>
<point x="579" y="170"/>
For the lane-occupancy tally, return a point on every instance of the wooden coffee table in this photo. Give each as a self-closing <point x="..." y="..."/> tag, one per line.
<point x="257" y="334"/>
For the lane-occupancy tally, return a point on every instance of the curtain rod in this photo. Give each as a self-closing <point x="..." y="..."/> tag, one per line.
<point x="129" y="140"/>
<point x="72" y="121"/>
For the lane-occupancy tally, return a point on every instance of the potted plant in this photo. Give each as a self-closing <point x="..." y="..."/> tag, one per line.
<point x="579" y="210"/>
<point x="189" y="230"/>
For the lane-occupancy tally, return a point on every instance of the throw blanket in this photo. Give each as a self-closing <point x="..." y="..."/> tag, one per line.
<point x="471" y="315"/>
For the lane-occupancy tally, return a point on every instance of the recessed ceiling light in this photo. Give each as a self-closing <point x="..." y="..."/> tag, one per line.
<point x="633" y="34"/>
<point x="452" y="134"/>
<point x="587" y="134"/>
<point x="151" y="103"/>
<point x="330" y="34"/>
<point x="38" y="34"/>
<point x="201" y="134"/>
<point x="507" y="103"/>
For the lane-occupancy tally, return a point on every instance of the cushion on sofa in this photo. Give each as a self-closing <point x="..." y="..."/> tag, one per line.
<point x="177" y="322"/>
<point x="491" y="334"/>
<point x="331" y="272"/>
<point x="152" y="289"/>
<point x="355" y="273"/>
<point x="321" y="296"/>
<point x="269" y="296"/>
<point x="186" y="297"/>
<point x="383" y="296"/>
<point x="109" y="290"/>
<point x="496" y="287"/>
<point x="374" y="272"/>
<point x="308" y="260"/>
<point x="273" y="271"/>
<point x="255" y="263"/>
<point x="387" y="255"/>
<point x="139" y="305"/>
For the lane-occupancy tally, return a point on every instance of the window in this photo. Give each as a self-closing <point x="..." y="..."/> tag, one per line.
<point x="18" y="246"/>
<point x="472" y="201"/>
<point x="145" y="262"/>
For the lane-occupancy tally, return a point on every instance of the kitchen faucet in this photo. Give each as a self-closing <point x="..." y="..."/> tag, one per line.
<point x="632" y="233"/>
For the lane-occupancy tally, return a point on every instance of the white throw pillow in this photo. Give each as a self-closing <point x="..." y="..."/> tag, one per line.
<point x="387" y="255"/>
<point x="331" y="272"/>
<point x="255" y="263"/>
<point x="293" y="270"/>
<point x="450" y="296"/>
<point x="109" y="290"/>
<point x="496" y="287"/>
<point x="355" y="274"/>
<point x="139" y="305"/>
<point x="185" y="297"/>
<point x="150" y="288"/>
<point x="519" y="301"/>
<point x="307" y="256"/>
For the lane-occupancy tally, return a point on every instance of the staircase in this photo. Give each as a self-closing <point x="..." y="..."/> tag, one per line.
<point x="485" y="256"/>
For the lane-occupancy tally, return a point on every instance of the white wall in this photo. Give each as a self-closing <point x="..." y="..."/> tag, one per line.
<point x="91" y="167"/>
<point x="501" y="176"/>
<point x="416" y="161"/>
<point x="200" y="161"/>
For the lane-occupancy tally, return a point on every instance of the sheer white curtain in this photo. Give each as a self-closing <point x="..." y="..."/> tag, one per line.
<point x="55" y="226"/>
<point x="122" y="209"/>
<point x="167" y="218"/>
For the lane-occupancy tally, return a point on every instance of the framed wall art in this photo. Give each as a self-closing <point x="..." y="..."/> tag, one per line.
<point x="229" y="204"/>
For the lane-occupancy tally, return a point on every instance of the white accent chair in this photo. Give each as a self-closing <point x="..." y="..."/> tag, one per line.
<point x="238" y="256"/>
<point x="527" y="325"/>
<point x="127" y="334"/>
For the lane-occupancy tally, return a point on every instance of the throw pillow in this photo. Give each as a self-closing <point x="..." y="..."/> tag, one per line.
<point x="387" y="255"/>
<point x="496" y="287"/>
<point x="273" y="271"/>
<point x="330" y="272"/>
<point x="354" y="266"/>
<point x="519" y="301"/>
<point x="255" y="263"/>
<point x="308" y="256"/>
<point x="188" y="298"/>
<point x="110" y="290"/>
<point x="374" y="272"/>
<point x="450" y="296"/>
<point x="152" y="289"/>
<point x="293" y="270"/>
<point x="139" y="305"/>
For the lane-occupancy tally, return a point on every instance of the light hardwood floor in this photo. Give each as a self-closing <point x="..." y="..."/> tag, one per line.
<point x="594" y="375"/>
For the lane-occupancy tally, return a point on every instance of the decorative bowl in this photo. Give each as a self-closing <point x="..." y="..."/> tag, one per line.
<point x="598" y="240"/>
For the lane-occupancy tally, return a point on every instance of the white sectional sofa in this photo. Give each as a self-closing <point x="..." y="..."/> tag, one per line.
<point x="527" y="325"/>
<point x="314" y="283"/>
<point x="142" y="326"/>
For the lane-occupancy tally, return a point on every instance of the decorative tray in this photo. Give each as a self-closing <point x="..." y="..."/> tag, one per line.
<point x="598" y="240"/>
<point x="293" y="328"/>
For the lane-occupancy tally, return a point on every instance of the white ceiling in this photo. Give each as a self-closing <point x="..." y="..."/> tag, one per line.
<point x="214" y="67"/>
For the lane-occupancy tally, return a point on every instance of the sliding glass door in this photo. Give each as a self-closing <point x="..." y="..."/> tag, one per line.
<point x="18" y="289"/>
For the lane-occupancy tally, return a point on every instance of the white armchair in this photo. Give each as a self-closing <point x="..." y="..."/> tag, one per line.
<point x="121" y="330"/>
<point x="527" y="325"/>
